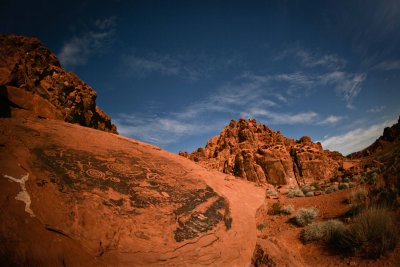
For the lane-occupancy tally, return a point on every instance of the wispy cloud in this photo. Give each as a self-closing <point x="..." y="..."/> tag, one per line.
<point x="160" y="130"/>
<point x="142" y="66"/>
<point x="376" y="109"/>
<point x="388" y="65"/>
<point x="312" y="59"/>
<point x="331" y="119"/>
<point x="355" y="139"/>
<point x="80" y="47"/>
<point x="247" y="96"/>
<point x="190" y="65"/>
<point x="347" y="84"/>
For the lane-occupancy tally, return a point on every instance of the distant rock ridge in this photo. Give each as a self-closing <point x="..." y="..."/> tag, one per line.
<point x="256" y="153"/>
<point x="390" y="136"/>
<point x="32" y="82"/>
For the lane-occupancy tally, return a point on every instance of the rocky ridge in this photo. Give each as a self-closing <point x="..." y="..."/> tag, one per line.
<point x="256" y="153"/>
<point x="383" y="156"/>
<point x="32" y="82"/>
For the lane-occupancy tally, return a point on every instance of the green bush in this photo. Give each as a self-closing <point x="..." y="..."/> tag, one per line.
<point x="305" y="216"/>
<point x="323" y="231"/>
<point x="287" y="209"/>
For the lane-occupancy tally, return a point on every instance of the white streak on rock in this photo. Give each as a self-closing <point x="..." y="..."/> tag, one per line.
<point x="23" y="194"/>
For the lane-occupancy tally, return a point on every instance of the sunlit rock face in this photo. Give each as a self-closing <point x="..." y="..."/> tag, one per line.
<point x="256" y="153"/>
<point x="33" y="83"/>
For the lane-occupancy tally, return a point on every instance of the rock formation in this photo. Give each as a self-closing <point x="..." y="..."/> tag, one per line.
<point x="33" y="82"/>
<point x="75" y="196"/>
<point x="256" y="153"/>
<point x="383" y="156"/>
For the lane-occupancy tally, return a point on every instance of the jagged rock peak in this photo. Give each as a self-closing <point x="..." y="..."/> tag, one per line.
<point x="253" y="151"/>
<point x="32" y="82"/>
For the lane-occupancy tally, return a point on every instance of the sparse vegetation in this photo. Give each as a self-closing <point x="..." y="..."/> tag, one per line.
<point x="294" y="192"/>
<point x="305" y="216"/>
<point x="371" y="234"/>
<point x="275" y="209"/>
<point x="323" y="231"/>
<point x="358" y="196"/>
<point x="331" y="189"/>
<point x="287" y="209"/>
<point x="260" y="227"/>
<point x="385" y="196"/>
<point x="271" y="193"/>
<point x="343" y="186"/>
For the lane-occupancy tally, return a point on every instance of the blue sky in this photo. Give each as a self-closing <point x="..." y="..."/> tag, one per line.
<point x="174" y="73"/>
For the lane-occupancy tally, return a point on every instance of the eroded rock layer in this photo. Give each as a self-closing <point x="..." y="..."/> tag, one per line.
<point x="33" y="82"/>
<point x="254" y="152"/>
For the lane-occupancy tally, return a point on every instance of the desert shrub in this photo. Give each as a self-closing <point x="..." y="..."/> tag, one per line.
<point x="271" y="193"/>
<point x="371" y="234"/>
<point x="323" y="231"/>
<point x="359" y="201"/>
<point x="346" y="180"/>
<point x="344" y="186"/>
<point x="310" y="194"/>
<point x="334" y="179"/>
<point x="385" y="196"/>
<point x="275" y="209"/>
<point x="358" y="196"/>
<point x="371" y="178"/>
<point x="260" y="227"/>
<point x="331" y="189"/>
<point x="294" y="192"/>
<point x="305" y="216"/>
<point x="287" y="209"/>
<point x="307" y="188"/>
<point x="316" y="185"/>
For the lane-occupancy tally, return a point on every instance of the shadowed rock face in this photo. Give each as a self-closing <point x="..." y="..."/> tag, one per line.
<point x="32" y="82"/>
<point x="254" y="152"/>
<point x="383" y="156"/>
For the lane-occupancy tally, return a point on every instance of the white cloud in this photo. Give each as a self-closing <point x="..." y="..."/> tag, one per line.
<point x="77" y="50"/>
<point x="355" y="139"/>
<point x="159" y="130"/>
<point x="332" y="119"/>
<point x="282" y="118"/>
<point x="388" y="65"/>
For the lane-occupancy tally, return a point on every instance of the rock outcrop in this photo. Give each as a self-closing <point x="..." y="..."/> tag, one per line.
<point x="256" y="153"/>
<point x="383" y="156"/>
<point x="32" y="82"/>
<point x="75" y="196"/>
<point x="390" y="137"/>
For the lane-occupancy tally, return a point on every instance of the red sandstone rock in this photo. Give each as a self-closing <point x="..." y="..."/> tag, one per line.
<point x="256" y="153"/>
<point x="32" y="82"/>
<point x="75" y="196"/>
